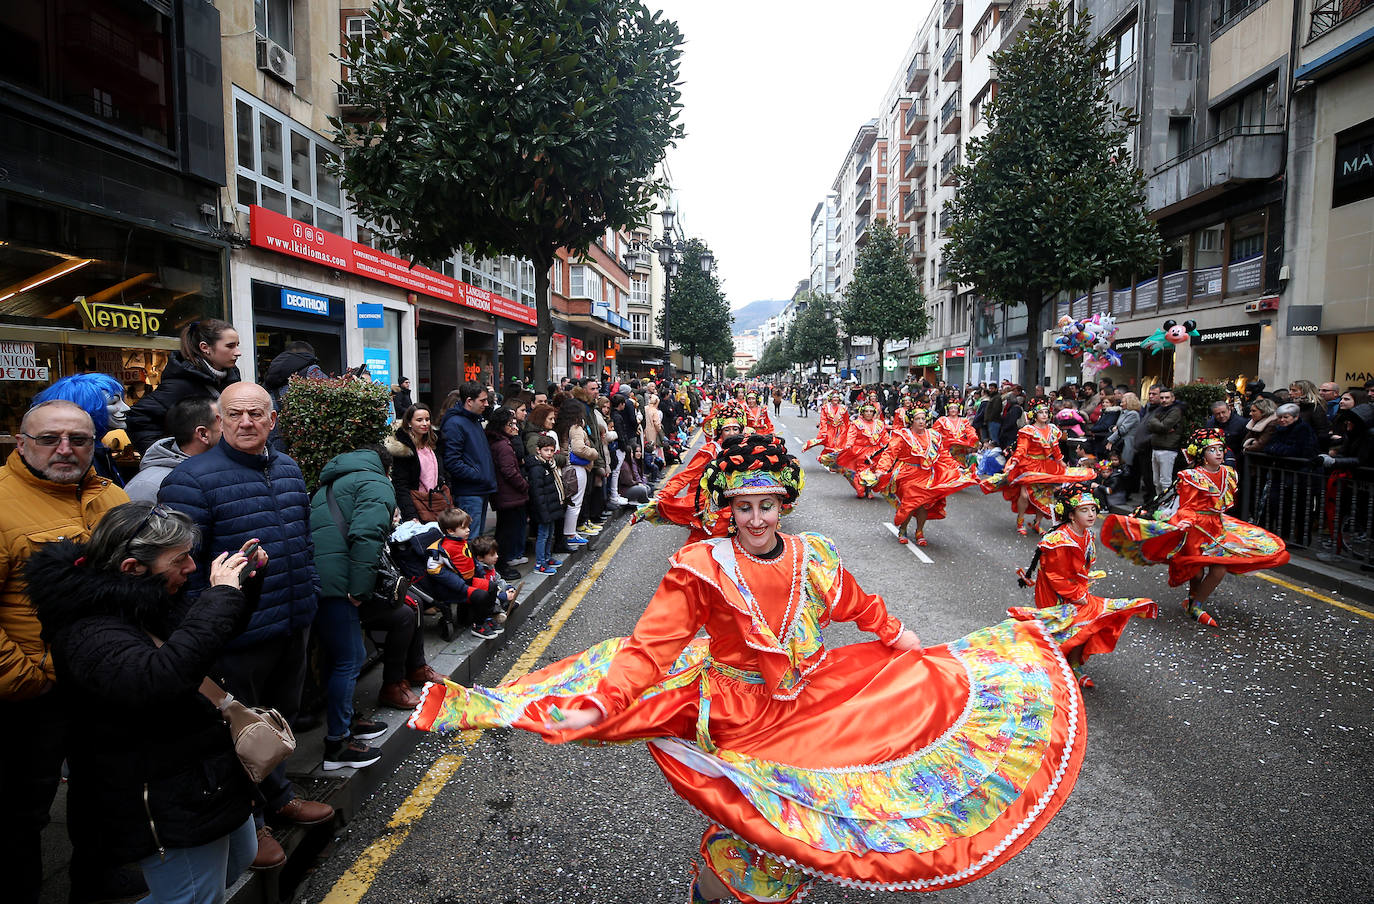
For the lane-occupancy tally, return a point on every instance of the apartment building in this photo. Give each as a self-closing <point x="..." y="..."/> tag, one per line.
<point x="591" y="292"/>
<point x="861" y="189"/>
<point x="824" y="244"/>
<point x="112" y="156"/>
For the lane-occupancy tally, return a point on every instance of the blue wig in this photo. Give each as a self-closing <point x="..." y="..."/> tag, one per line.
<point x="92" y="392"/>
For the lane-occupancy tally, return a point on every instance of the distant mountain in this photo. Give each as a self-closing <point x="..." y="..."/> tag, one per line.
<point x="755" y="313"/>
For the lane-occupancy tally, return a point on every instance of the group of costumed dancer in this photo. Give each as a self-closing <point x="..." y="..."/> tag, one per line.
<point x="796" y="753"/>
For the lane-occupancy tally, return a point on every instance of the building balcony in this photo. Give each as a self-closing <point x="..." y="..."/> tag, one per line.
<point x="917" y="71"/>
<point x="947" y="167"/>
<point x="863" y="169"/>
<point x="1327" y="14"/>
<point x="917" y="116"/>
<point x="915" y="248"/>
<point x="913" y="204"/>
<point x="952" y="65"/>
<point x="1232" y="158"/>
<point x="863" y="199"/>
<point x="953" y="15"/>
<point x="951" y="115"/>
<point x="861" y="231"/>
<point x="1014" y="19"/>
<point x="914" y="162"/>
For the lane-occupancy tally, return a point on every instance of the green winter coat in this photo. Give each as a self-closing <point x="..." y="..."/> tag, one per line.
<point x="367" y="501"/>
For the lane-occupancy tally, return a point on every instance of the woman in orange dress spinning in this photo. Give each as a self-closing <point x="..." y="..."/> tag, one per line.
<point x="915" y="475"/>
<point x="865" y="438"/>
<point x="679" y="501"/>
<point x="1035" y="470"/>
<point x="832" y="426"/>
<point x="957" y="434"/>
<point x="1201" y="543"/>
<point x="759" y="421"/>
<point x="877" y="765"/>
<point x="1084" y="624"/>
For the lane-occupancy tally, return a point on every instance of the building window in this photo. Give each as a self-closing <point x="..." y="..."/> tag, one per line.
<point x="584" y="282"/>
<point x="639" y="327"/>
<point x="363" y="28"/>
<point x="558" y="277"/>
<point x="1180" y="136"/>
<point x="110" y="60"/>
<point x="1121" y="52"/>
<point x="272" y="18"/>
<point x="985" y="28"/>
<point x="285" y="167"/>
<point x="639" y="289"/>
<point x="1250" y="112"/>
<point x="978" y="108"/>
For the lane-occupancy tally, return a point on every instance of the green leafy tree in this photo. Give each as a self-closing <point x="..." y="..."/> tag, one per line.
<point x="509" y="127"/>
<point x="884" y="299"/>
<point x="773" y="360"/>
<point x="1050" y="199"/>
<point x="812" y="336"/>
<point x="698" y="313"/>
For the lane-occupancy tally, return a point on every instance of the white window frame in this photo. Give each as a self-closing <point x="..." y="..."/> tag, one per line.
<point x="252" y="169"/>
<point x="557" y="276"/>
<point x="639" y="328"/>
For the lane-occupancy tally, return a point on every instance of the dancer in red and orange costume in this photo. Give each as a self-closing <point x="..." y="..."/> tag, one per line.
<point x="1034" y="471"/>
<point x="679" y="501"/>
<point x="1200" y="542"/>
<point x="957" y="434"/>
<point x="794" y="750"/>
<point x="865" y="438"/>
<point x="1062" y="571"/>
<point x="916" y="476"/>
<point x="832" y="426"/>
<point x="759" y="421"/>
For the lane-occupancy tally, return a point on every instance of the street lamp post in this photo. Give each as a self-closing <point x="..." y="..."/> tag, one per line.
<point x="670" y="252"/>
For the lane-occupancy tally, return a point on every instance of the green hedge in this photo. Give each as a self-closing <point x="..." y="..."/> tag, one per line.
<point x="1199" y="398"/>
<point x="322" y="418"/>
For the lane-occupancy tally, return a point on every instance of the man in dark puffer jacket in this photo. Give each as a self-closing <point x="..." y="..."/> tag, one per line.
<point x="239" y="491"/>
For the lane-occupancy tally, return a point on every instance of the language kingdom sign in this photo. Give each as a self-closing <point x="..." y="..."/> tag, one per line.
<point x="132" y="318"/>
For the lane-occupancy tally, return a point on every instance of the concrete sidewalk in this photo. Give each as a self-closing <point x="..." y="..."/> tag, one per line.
<point x="348" y="790"/>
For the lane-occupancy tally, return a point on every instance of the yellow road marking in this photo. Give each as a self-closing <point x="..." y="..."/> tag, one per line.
<point x="1364" y="613"/>
<point x="358" y="879"/>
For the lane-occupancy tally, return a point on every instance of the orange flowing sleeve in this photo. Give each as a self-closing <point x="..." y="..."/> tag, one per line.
<point x="866" y="610"/>
<point x="670" y="621"/>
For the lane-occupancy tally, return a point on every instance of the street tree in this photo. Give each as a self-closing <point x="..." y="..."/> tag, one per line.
<point x="697" y="312"/>
<point x="884" y="300"/>
<point x="773" y="360"/>
<point x="812" y="336"/>
<point x="1050" y="199"/>
<point x="509" y="127"/>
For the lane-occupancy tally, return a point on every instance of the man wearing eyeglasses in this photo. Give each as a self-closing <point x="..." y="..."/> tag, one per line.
<point x="48" y="491"/>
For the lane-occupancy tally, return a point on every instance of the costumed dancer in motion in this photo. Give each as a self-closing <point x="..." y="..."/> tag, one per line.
<point x="680" y="502"/>
<point x="957" y="435"/>
<point x="915" y="475"/>
<point x="1034" y="470"/>
<point x="1201" y="543"/>
<point x="865" y="438"/>
<point x="1062" y="570"/>
<point x="759" y="421"/>
<point x="796" y="752"/>
<point x="832" y="426"/>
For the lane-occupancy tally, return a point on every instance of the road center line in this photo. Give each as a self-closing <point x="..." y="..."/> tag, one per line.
<point x="911" y="547"/>
<point x="1363" y="613"/>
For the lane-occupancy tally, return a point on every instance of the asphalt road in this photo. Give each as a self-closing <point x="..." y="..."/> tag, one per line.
<point x="1229" y="764"/>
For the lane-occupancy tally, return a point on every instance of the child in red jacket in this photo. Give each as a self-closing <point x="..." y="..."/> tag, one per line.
<point x="452" y="571"/>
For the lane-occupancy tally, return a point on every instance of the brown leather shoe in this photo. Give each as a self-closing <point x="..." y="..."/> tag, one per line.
<point x="306" y="812"/>
<point x="424" y="675"/>
<point x="270" y="855"/>
<point x="398" y="695"/>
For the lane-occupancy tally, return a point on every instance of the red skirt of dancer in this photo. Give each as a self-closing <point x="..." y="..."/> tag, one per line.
<point x="1038" y="465"/>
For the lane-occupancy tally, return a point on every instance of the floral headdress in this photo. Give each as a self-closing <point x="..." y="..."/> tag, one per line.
<point x="1201" y="439"/>
<point x="724" y="415"/>
<point x="1036" y="409"/>
<point x="748" y="466"/>
<point x="1071" y="496"/>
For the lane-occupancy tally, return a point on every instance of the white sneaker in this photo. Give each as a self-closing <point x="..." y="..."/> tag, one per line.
<point x="619" y="501"/>
<point x="520" y="561"/>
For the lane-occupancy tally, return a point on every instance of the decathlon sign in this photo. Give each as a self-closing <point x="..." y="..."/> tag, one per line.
<point x="304" y="302"/>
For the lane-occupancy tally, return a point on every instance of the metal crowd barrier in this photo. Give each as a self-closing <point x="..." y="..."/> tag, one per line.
<point x="1320" y="510"/>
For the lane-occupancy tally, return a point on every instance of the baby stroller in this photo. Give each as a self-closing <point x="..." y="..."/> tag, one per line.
<point x="408" y="549"/>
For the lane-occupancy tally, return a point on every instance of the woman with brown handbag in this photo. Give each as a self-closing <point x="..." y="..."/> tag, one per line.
<point x="154" y="776"/>
<point x="417" y="467"/>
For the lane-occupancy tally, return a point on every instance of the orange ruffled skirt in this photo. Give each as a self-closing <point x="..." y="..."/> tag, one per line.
<point x="1190" y="546"/>
<point x="890" y="771"/>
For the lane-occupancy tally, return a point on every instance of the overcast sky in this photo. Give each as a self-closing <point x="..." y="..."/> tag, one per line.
<point x="773" y="93"/>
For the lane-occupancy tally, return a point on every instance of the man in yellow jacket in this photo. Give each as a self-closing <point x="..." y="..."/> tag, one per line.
<point x="48" y="490"/>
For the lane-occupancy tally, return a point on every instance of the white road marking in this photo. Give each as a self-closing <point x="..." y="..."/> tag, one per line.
<point x="911" y="547"/>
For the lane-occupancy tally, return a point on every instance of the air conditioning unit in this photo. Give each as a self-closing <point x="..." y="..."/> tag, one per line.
<point x="276" y="61"/>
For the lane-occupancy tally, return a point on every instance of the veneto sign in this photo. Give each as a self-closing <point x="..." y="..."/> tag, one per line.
<point x="275" y="232"/>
